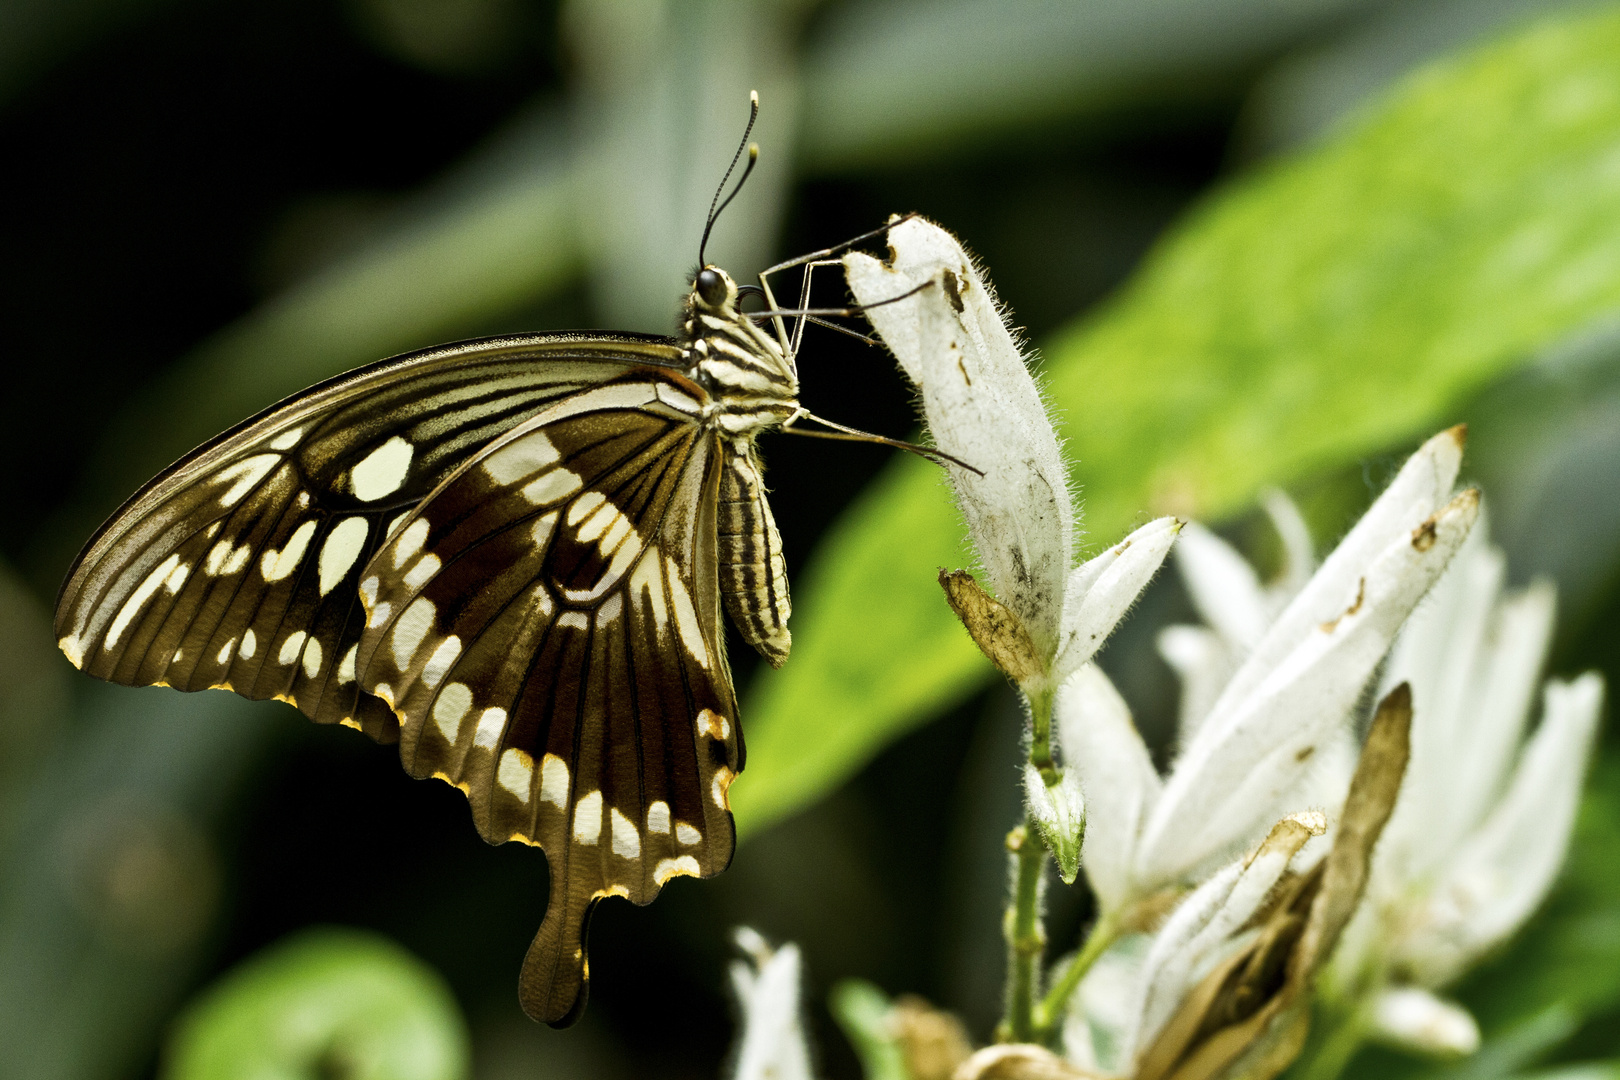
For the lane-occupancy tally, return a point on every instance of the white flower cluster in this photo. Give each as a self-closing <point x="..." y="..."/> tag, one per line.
<point x="1262" y="859"/>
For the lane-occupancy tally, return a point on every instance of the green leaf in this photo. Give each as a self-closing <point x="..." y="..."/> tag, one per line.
<point x="1322" y="308"/>
<point x="862" y="1010"/>
<point x="325" y="1003"/>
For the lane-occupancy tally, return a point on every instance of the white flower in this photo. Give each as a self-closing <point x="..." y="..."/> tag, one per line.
<point x="771" y="1045"/>
<point x="1260" y="747"/>
<point x="1048" y="617"/>
<point x="1485" y="815"/>
<point x="983" y="407"/>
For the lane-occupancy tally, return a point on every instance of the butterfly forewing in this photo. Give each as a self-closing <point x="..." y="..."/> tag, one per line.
<point x="546" y="626"/>
<point x="237" y="567"/>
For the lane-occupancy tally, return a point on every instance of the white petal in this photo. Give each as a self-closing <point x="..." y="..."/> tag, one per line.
<point x="1501" y="873"/>
<point x="771" y="1045"/>
<point x="1223" y="587"/>
<point x="1415" y="1019"/>
<point x="1157" y="985"/>
<point x="1204" y="662"/>
<point x="982" y="406"/>
<point x="1100" y="591"/>
<point x="1254" y="749"/>
<point x="1299" y="552"/>
<point x="1421" y="487"/>
<point x="1101" y="745"/>
<point x="1187" y="948"/>
<point x="1099" y="1017"/>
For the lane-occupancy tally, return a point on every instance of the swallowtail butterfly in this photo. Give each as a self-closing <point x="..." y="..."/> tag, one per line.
<point x="510" y="556"/>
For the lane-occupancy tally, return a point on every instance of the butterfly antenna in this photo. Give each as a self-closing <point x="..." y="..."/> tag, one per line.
<point x="716" y="207"/>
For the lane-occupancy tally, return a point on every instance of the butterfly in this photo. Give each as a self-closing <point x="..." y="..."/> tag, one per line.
<point x="509" y="555"/>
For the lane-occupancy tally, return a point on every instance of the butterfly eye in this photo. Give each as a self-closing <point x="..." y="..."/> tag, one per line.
<point x="711" y="287"/>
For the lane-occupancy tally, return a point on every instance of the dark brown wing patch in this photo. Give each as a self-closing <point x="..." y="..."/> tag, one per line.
<point x="237" y="567"/>
<point x="546" y="626"/>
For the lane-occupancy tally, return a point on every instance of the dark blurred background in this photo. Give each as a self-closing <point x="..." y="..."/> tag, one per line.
<point x="206" y="204"/>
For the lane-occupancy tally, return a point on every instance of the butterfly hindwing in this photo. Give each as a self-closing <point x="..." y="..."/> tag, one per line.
<point x="547" y="628"/>
<point x="237" y="567"/>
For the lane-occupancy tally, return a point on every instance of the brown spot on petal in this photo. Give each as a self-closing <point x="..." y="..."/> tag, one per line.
<point x="1355" y="606"/>
<point x="1423" y="536"/>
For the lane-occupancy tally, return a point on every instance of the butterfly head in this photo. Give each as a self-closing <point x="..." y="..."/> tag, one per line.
<point x="713" y="292"/>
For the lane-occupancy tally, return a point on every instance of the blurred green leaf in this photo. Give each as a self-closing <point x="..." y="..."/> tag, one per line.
<point x="325" y="1003"/>
<point x="1323" y="308"/>
<point x="862" y="1011"/>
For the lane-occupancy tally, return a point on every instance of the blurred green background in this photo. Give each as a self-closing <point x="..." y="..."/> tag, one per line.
<point x="1257" y="242"/>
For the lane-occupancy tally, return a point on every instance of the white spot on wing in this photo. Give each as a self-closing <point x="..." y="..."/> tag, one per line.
<point x="439" y="663"/>
<point x="73" y="649"/>
<point x="713" y="725"/>
<point x="550" y="487"/>
<point x="520" y="458"/>
<point x="554" y="781"/>
<point x="490" y="726"/>
<point x="382" y="471"/>
<point x="287" y="439"/>
<point x="686" y="617"/>
<point x="410" y="541"/>
<point x="422" y="572"/>
<point x="451" y="709"/>
<point x="681" y="866"/>
<point x="238" y="559"/>
<point x="516" y="773"/>
<point x="291" y="647"/>
<point x="610" y="610"/>
<point x="574" y="620"/>
<point x="540" y="531"/>
<point x="216" y="557"/>
<point x="243" y="475"/>
<point x="312" y="658"/>
<point x="413" y="625"/>
<point x="626" y="841"/>
<point x="276" y="565"/>
<point x="250" y="645"/>
<point x="345" y="670"/>
<point x="137" y="599"/>
<point x="648" y="579"/>
<point x="687" y="835"/>
<point x="177" y="578"/>
<point x="658" y="817"/>
<point x="588" y="819"/>
<point x="717" y="788"/>
<point x="584" y="505"/>
<point x="225" y="651"/>
<point x="343" y="546"/>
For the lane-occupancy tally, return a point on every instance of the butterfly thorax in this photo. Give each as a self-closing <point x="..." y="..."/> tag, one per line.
<point x="752" y="388"/>
<point x="751" y="381"/>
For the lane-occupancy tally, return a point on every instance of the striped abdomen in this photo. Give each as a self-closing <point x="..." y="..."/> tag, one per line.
<point x="753" y="576"/>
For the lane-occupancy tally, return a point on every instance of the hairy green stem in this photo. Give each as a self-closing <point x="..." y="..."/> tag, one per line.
<point x="1049" y="1015"/>
<point x="1026" y="935"/>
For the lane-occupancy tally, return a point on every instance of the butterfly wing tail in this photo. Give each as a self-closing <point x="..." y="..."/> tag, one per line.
<point x="556" y="972"/>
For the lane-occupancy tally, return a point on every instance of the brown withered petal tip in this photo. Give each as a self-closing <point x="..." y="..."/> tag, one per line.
<point x="994" y="629"/>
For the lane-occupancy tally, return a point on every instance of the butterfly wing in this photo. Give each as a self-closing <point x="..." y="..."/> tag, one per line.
<point x="547" y="628"/>
<point x="237" y="566"/>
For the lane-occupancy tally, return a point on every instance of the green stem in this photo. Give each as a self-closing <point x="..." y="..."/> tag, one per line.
<point x="1040" y="741"/>
<point x="1049" y="1016"/>
<point x="1026" y="936"/>
<point x="1338" y="1034"/>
